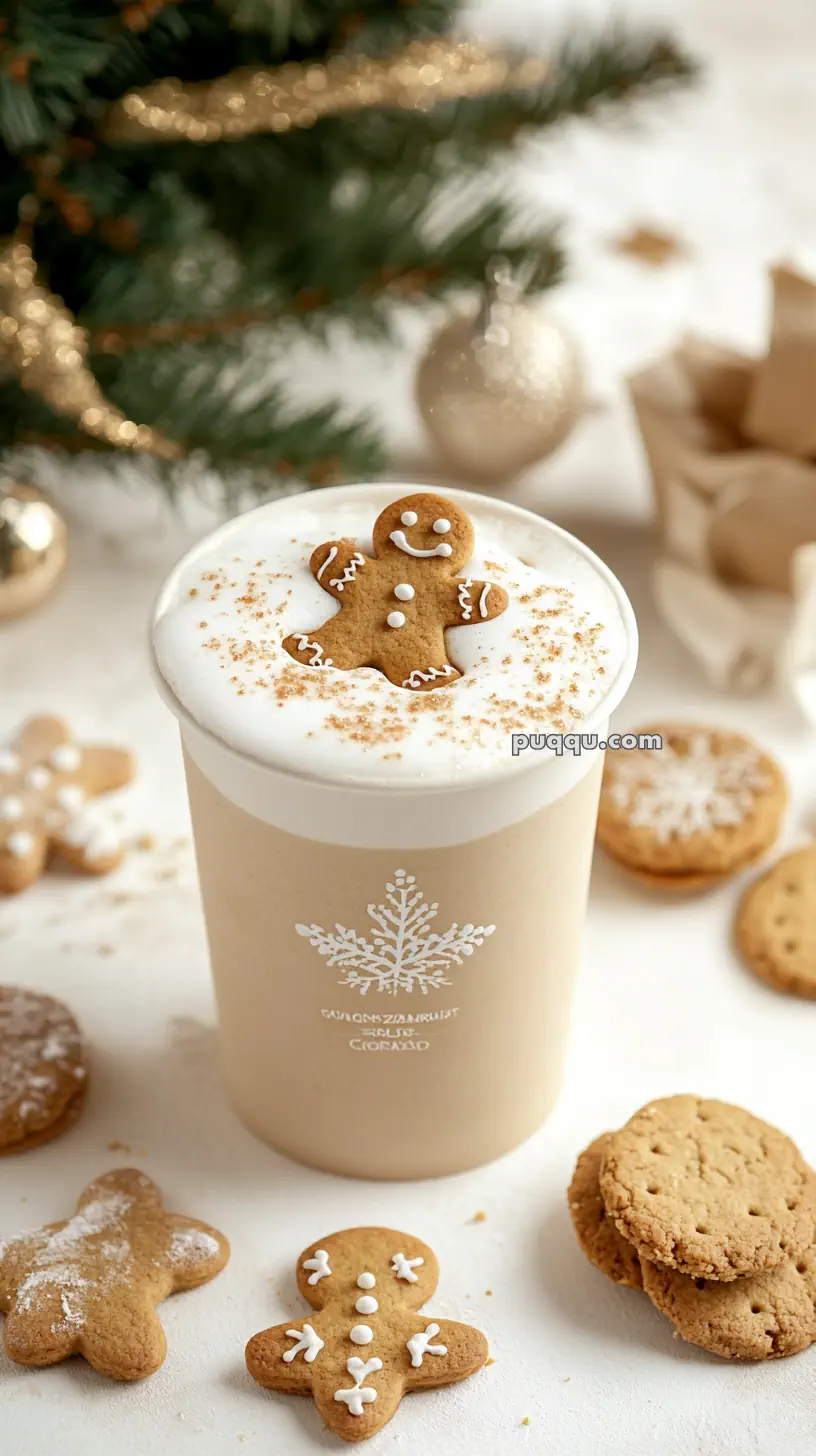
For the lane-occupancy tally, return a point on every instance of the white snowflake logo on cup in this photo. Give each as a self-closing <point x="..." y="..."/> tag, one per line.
<point x="403" y="953"/>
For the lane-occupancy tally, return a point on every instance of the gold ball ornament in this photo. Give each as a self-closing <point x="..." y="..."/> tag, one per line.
<point x="500" y="388"/>
<point x="33" y="547"/>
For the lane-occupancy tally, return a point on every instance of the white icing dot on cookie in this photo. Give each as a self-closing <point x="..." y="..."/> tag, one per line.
<point x="366" y="1280"/>
<point x="409" y="518"/>
<point x="70" y="797"/>
<point x="65" y="757"/>
<point x="396" y="619"/>
<point x="366" y="1304"/>
<point x="9" y="762"/>
<point x="361" y="1334"/>
<point x="404" y="592"/>
<point x="20" y="844"/>
<point x="10" y="809"/>
<point x="442" y="526"/>
<point x="38" y="777"/>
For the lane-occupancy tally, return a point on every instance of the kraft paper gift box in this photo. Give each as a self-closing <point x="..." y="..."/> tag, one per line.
<point x="727" y="439"/>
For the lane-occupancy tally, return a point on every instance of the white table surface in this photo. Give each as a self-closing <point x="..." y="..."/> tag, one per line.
<point x="663" y="1004"/>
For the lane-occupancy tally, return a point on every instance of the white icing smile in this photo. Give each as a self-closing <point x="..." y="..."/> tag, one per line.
<point x="398" y="538"/>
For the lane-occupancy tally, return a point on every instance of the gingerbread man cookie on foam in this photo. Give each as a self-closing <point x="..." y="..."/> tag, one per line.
<point x="367" y="1346"/>
<point x="46" y="780"/>
<point x="396" y="605"/>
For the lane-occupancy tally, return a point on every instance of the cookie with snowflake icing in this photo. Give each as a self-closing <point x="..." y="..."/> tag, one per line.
<point x="692" y="812"/>
<point x="43" y="1069"/>
<point x="90" y="1284"/>
<point x="776" y="924"/>
<point x="48" y="785"/>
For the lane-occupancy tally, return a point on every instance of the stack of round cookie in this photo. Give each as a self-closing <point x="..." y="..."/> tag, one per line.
<point x="686" y="816"/>
<point x="713" y="1213"/>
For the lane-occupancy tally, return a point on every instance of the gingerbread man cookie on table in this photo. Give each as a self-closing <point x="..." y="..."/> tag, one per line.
<point x="396" y="605"/>
<point x="367" y="1346"/>
<point x="46" y="781"/>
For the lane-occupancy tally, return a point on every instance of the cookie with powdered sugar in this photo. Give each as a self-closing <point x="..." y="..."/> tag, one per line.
<point x="90" y="1284"/>
<point x="687" y="815"/>
<point x="43" y="1069"/>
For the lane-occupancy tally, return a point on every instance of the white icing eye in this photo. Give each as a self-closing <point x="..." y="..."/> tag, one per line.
<point x="396" y="619"/>
<point x="361" y="1334"/>
<point x="10" y="809"/>
<point x="366" y="1281"/>
<point x="404" y="592"/>
<point x="444" y="549"/>
<point x="441" y="526"/>
<point x="409" y="518"/>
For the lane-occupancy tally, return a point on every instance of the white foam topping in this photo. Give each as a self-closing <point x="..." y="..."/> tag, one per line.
<point x="550" y="663"/>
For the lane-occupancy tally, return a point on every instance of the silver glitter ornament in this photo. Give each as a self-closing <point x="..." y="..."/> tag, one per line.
<point x="501" y="387"/>
<point x="33" y="547"/>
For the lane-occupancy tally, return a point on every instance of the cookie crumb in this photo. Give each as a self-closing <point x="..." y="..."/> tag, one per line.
<point x="488" y="1291"/>
<point x="145" y="843"/>
<point x="491" y="1361"/>
<point x="105" y="949"/>
<point x="526" y="1421"/>
<point x="117" y="1146"/>
<point x="479" y="1217"/>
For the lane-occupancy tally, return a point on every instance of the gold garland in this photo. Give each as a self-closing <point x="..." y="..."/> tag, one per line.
<point x="47" y="350"/>
<point x="254" y="100"/>
<point x="39" y="336"/>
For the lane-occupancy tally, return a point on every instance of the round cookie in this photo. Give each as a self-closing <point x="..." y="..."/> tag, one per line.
<point x="708" y="802"/>
<point x="708" y="1189"/>
<point x="43" y="1072"/>
<point x="597" y="1234"/>
<point x="764" y="1317"/>
<point x="776" y="924"/>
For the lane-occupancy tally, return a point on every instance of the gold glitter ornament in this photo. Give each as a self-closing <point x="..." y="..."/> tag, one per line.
<point x="47" y="350"/>
<point x="33" y="547"/>
<point x="255" y="99"/>
<point x="502" y="387"/>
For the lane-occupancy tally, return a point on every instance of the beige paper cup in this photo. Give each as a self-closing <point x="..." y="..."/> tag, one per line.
<point x="394" y="967"/>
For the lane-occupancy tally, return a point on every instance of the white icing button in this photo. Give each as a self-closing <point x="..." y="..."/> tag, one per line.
<point x="404" y="592"/>
<point x="65" y="757"/>
<point x="20" y="844"/>
<point x="441" y="526"/>
<point x="38" y="777"/>
<point x="366" y="1304"/>
<point x="409" y="518"/>
<point x="9" y="762"/>
<point x="366" y="1281"/>
<point x="444" y="549"/>
<point x="396" y="619"/>
<point x="70" y="797"/>
<point x="361" y="1334"/>
<point x="10" y="809"/>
